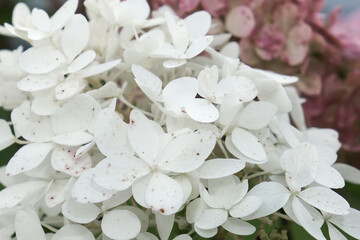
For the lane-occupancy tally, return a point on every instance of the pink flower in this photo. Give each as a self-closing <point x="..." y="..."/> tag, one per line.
<point x="269" y="41"/>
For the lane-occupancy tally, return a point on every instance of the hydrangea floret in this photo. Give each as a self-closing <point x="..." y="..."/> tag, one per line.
<point x="133" y="126"/>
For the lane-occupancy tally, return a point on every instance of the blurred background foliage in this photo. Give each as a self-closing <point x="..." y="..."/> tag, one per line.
<point x="351" y="191"/>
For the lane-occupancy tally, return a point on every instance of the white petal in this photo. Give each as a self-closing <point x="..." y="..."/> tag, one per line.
<point x="210" y="200"/>
<point x="164" y="224"/>
<point x="86" y="190"/>
<point x="198" y="46"/>
<point x="37" y="82"/>
<point x="349" y="223"/>
<point x="73" y="231"/>
<point x="174" y="63"/>
<point x="242" y="88"/>
<point x="178" y="93"/>
<point x="143" y="217"/>
<point x="187" y="151"/>
<point x="73" y="139"/>
<point x="273" y="195"/>
<point x="80" y="212"/>
<point x="120" y="224"/>
<point x="248" y="144"/>
<point x="140" y="131"/>
<point x="28" y="157"/>
<point x="208" y="233"/>
<point x="69" y="88"/>
<point x="231" y="49"/>
<point x="44" y="105"/>
<point x="111" y="132"/>
<point x="148" y="82"/>
<point x="322" y="136"/>
<point x="109" y="90"/>
<point x="211" y="218"/>
<point x="84" y="149"/>
<point x="76" y="115"/>
<point x="326" y="200"/>
<point x="329" y="177"/>
<point x="256" y="115"/>
<point x="194" y="210"/>
<point x="246" y="206"/>
<point x="118" y="173"/>
<point x="198" y="24"/>
<point x="238" y="227"/>
<point x="275" y="93"/>
<point x="63" y="14"/>
<point x="82" y="61"/>
<point x="75" y="36"/>
<point x="349" y="173"/>
<point x="11" y="196"/>
<point x="306" y="220"/>
<point x="27" y="226"/>
<point x="146" y="236"/>
<point x="186" y="186"/>
<point x="30" y="126"/>
<point x="41" y="59"/>
<point x="163" y="194"/>
<point x="63" y="159"/>
<point x="202" y="110"/>
<point x="218" y="168"/>
<point x="334" y="233"/>
<point x="97" y="69"/>
<point x="6" y="136"/>
<point x="235" y="151"/>
<point x="118" y="199"/>
<point x="183" y="237"/>
<point x="280" y="78"/>
<point x="301" y="163"/>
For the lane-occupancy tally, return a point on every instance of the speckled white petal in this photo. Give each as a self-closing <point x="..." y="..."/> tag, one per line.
<point x="86" y="190"/>
<point x="56" y="193"/>
<point x="349" y="173"/>
<point x="80" y="212"/>
<point x="148" y="82"/>
<point x="247" y="206"/>
<point x="28" y="157"/>
<point x="82" y="61"/>
<point x="12" y="195"/>
<point x="218" y="168"/>
<point x="120" y="224"/>
<point x="139" y="188"/>
<point x="73" y="231"/>
<point x="325" y="199"/>
<point x="118" y="173"/>
<point x="349" y="223"/>
<point x="111" y="132"/>
<point x="238" y="226"/>
<point x="73" y="139"/>
<point x="198" y="46"/>
<point x="248" y="144"/>
<point x="41" y="59"/>
<point x="75" y="36"/>
<point x="273" y="195"/>
<point x="44" y="105"/>
<point x="6" y="136"/>
<point x="143" y="137"/>
<point x="63" y="159"/>
<point x="242" y="88"/>
<point x="76" y="115"/>
<point x="306" y="220"/>
<point x="84" y="149"/>
<point x="211" y="218"/>
<point x="27" y="226"/>
<point x="97" y="69"/>
<point x="163" y="194"/>
<point x="37" y="82"/>
<point x="256" y="115"/>
<point x="329" y="177"/>
<point x="202" y="110"/>
<point x="31" y="126"/>
<point x="187" y="151"/>
<point x="69" y="88"/>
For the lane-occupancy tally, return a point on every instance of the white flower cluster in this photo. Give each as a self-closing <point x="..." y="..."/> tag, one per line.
<point x="134" y="120"/>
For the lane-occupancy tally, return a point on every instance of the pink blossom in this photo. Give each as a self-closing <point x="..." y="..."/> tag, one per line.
<point x="269" y="41"/>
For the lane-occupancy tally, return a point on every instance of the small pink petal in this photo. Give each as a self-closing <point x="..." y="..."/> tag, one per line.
<point x="240" y="21"/>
